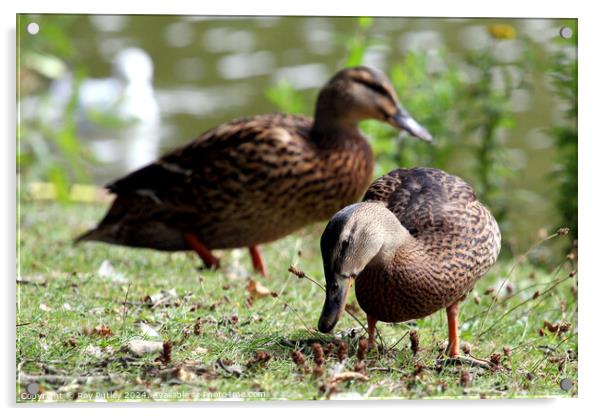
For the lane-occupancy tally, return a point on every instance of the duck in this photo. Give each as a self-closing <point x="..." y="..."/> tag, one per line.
<point x="254" y="180"/>
<point x="118" y="116"/>
<point x="417" y="243"/>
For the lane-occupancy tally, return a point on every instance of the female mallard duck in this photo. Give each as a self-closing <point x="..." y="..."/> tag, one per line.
<point x="417" y="243"/>
<point x="257" y="179"/>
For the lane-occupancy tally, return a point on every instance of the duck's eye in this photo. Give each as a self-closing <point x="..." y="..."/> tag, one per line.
<point x="344" y="246"/>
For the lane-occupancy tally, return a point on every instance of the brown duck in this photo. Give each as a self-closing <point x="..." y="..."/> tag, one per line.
<point x="256" y="179"/>
<point x="417" y="243"/>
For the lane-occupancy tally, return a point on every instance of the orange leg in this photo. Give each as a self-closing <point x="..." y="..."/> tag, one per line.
<point x="453" y="345"/>
<point x="257" y="260"/>
<point x="371" y="331"/>
<point x="204" y="253"/>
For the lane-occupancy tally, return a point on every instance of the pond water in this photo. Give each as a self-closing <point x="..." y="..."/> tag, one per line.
<point x="208" y="70"/>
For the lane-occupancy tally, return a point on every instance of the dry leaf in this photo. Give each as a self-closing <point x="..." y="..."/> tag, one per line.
<point x="100" y="330"/>
<point x="258" y="290"/>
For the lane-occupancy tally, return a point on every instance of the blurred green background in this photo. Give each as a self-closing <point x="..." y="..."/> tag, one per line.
<point x="499" y="95"/>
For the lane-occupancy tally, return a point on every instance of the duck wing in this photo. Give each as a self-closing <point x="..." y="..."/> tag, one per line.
<point x="442" y="211"/>
<point x="425" y="200"/>
<point x="216" y="156"/>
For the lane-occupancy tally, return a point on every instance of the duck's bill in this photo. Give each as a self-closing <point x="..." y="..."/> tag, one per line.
<point x="334" y="304"/>
<point x="404" y="121"/>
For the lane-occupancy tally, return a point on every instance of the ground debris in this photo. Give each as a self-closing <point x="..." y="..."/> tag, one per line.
<point x="102" y="331"/>
<point x="257" y="290"/>
<point x="557" y="328"/>
<point x="162" y="298"/>
<point x="297" y="272"/>
<point x="414" y="342"/>
<point x="140" y="347"/>
<point x="298" y="358"/>
<point x="36" y="280"/>
<point x="198" y="326"/>
<point x="165" y="356"/>
<point x="362" y="349"/>
<point x="107" y="271"/>
<point x="260" y="358"/>
<point x="348" y="375"/>
<point x="495" y="359"/>
<point x="318" y="354"/>
<point x="229" y="367"/>
<point x="148" y="331"/>
<point x="465" y="379"/>
<point x="342" y="351"/>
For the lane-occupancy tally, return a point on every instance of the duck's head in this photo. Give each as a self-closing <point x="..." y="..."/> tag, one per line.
<point x="362" y="234"/>
<point x="360" y="93"/>
<point x="133" y="65"/>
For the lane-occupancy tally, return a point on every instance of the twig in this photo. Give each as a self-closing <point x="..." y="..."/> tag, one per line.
<point x="385" y="369"/>
<point x="398" y="341"/>
<point x="541" y="296"/>
<point x="122" y="302"/>
<point x="125" y="310"/>
<point x="516" y="263"/>
<point x="29" y="282"/>
<point x="537" y="364"/>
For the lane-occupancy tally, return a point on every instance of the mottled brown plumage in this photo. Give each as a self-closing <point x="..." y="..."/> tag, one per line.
<point x="256" y="179"/>
<point x="416" y="244"/>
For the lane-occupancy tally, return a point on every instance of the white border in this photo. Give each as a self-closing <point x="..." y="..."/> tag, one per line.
<point x="590" y="152"/>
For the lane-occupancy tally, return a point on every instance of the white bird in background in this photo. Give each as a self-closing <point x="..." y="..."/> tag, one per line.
<point x="118" y="117"/>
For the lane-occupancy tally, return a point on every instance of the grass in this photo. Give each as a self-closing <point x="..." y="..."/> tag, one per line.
<point x="74" y="325"/>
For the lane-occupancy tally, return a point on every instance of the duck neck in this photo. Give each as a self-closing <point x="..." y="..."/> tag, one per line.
<point x="395" y="239"/>
<point x="331" y="121"/>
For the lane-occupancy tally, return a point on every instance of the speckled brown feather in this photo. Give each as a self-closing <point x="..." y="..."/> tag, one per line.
<point x="246" y="182"/>
<point x="456" y="241"/>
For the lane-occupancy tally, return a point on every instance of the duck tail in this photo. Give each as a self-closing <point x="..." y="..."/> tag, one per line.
<point x="95" y="234"/>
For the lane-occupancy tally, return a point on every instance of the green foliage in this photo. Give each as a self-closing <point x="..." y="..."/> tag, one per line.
<point x="487" y="115"/>
<point x="287" y="99"/>
<point x="62" y="292"/>
<point x="45" y="151"/>
<point x="429" y="96"/>
<point x="563" y="73"/>
<point x="356" y="44"/>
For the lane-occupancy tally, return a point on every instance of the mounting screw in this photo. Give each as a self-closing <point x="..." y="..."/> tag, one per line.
<point x="33" y="28"/>
<point x="566" y="32"/>
<point x="566" y="384"/>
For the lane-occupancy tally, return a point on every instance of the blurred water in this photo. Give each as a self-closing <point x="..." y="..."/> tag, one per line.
<point x="211" y="69"/>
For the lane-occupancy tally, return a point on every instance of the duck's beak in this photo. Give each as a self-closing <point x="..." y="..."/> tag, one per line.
<point x="403" y="120"/>
<point x="334" y="305"/>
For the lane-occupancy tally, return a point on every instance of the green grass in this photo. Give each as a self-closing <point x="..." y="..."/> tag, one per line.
<point x="62" y="296"/>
